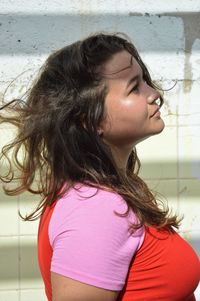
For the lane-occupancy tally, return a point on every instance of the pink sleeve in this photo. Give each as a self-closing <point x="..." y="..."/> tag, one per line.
<point x="90" y="242"/>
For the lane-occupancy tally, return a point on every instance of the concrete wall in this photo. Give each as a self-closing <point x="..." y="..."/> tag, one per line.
<point x="168" y="37"/>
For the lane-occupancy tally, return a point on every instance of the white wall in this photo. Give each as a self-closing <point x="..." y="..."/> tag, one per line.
<point x="167" y="33"/>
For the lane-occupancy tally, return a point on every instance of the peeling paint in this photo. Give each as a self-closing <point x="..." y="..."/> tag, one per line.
<point x="191" y="25"/>
<point x="168" y="108"/>
<point x="183" y="190"/>
<point x="135" y="14"/>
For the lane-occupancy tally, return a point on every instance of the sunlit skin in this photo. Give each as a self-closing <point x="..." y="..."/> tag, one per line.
<point x="132" y="112"/>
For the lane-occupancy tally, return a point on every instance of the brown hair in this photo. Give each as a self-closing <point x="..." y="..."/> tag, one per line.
<point x="57" y="131"/>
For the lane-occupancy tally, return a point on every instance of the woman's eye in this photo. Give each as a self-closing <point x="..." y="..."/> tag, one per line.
<point x="135" y="88"/>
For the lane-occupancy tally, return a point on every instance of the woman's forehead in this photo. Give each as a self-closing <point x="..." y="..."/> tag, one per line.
<point x="120" y="64"/>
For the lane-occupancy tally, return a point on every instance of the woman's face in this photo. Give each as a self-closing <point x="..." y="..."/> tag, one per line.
<point x="132" y="114"/>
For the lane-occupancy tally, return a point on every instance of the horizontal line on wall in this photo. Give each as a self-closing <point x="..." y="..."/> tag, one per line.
<point x="21" y="289"/>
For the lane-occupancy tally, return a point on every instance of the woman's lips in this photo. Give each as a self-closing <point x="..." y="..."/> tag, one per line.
<point x="156" y="114"/>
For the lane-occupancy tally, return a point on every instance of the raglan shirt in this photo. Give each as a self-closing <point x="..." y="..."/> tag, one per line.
<point x="91" y="242"/>
<point x="84" y="236"/>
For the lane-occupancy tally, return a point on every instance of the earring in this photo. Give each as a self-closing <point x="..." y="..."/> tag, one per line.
<point x="100" y="132"/>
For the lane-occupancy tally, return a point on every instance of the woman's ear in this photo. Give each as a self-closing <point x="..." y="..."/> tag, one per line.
<point x="102" y="127"/>
<point x="100" y="132"/>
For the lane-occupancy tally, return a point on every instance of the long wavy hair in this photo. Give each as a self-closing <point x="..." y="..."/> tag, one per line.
<point x="58" y="144"/>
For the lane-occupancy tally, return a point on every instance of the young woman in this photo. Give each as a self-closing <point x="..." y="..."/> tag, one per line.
<point x="102" y="234"/>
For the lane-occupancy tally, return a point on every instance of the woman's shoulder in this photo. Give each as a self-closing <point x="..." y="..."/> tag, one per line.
<point x="83" y="195"/>
<point x="85" y="206"/>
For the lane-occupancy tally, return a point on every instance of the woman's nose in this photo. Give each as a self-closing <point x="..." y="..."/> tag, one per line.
<point x="153" y="96"/>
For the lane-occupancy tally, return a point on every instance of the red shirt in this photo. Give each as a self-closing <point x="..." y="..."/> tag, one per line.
<point x="165" y="268"/>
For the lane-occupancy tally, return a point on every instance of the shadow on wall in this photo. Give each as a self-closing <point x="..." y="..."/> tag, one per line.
<point x="36" y="34"/>
<point x="28" y="267"/>
<point x="155" y="173"/>
<point x="12" y="267"/>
